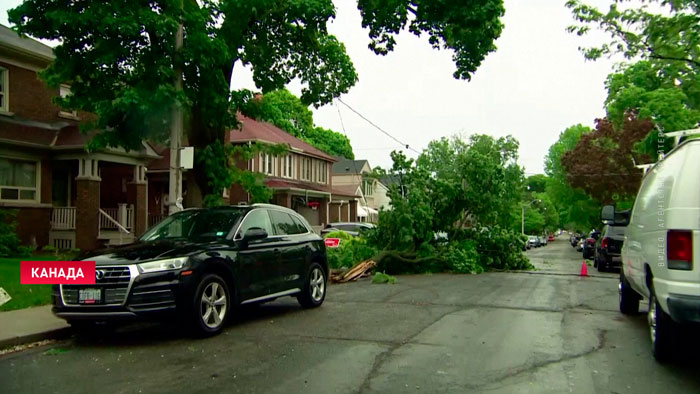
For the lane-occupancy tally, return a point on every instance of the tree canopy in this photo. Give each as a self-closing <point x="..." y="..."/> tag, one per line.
<point x="603" y="161"/>
<point x="576" y="209"/>
<point x="462" y="190"/>
<point x="121" y="59"/>
<point x="286" y="111"/>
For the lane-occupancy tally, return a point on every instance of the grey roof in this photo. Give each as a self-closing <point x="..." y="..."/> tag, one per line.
<point x="346" y="166"/>
<point x="10" y="39"/>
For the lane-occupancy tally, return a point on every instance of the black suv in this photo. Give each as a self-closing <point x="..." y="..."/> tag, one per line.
<point x="201" y="263"/>
<point x="608" y="248"/>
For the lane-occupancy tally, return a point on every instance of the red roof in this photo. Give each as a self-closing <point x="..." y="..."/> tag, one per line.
<point x="274" y="183"/>
<point x="253" y="130"/>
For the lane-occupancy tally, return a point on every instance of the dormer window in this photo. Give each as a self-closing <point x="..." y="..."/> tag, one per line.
<point x="64" y="91"/>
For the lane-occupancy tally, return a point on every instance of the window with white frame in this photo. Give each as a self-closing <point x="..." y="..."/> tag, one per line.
<point x="18" y="180"/>
<point x="288" y="166"/>
<point x="4" y="90"/>
<point x="306" y="169"/>
<point x="367" y="187"/>
<point x="267" y="164"/>
<point x="64" y="91"/>
<point x="321" y="171"/>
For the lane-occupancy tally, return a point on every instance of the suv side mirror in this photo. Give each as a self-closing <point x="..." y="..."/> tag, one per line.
<point x="254" y="233"/>
<point x="607" y="213"/>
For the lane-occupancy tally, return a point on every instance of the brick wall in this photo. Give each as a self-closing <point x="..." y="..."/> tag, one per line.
<point x="87" y="214"/>
<point x="31" y="98"/>
<point x="33" y="225"/>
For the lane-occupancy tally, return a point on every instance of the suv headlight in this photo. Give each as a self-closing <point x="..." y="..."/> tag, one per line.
<point x="162" y="265"/>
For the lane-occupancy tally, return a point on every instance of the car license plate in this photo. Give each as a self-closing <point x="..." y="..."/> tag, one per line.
<point x="90" y="296"/>
<point x="617" y="259"/>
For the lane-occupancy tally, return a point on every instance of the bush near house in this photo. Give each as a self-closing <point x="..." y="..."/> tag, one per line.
<point x="352" y="250"/>
<point x="9" y="241"/>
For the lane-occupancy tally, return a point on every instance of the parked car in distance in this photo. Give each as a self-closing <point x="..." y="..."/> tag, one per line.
<point x="589" y="244"/>
<point x="533" y="241"/>
<point x="662" y="263"/>
<point x="199" y="264"/>
<point x="543" y="240"/>
<point x="352" y="228"/>
<point x="579" y="245"/>
<point x="550" y="238"/>
<point x="608" y="248"/>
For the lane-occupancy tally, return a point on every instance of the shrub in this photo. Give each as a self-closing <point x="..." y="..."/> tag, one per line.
<point x="462" y="257"/>
<point x="9" y="241"/>
<point x="350" y="252"/>
<point x="380" y="277"/>
<point x="340" y="234"/>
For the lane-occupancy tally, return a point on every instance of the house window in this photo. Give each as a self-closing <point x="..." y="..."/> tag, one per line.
<point x="4" y="90"/>
<point x="288" y="166"/>
<point x="321" y="172"/>
<point x="367" y="187"/>
<point x="18" y="180"/>
<point x="267" y="164"/>
<point x="306" y="169"/>
<point x="64" y="91"/>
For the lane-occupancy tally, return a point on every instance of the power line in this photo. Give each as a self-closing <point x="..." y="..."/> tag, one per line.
<point x="377" y="127"/>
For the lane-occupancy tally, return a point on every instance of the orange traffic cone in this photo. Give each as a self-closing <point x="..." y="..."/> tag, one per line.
<point x="584" y="269"/>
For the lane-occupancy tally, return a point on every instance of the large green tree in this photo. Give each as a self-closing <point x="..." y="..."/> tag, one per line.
<point x="288" y="112"/>
<point x="453" y="208"/>
<point x="603" y="162"/>
<point x="121" y="58"/>
<point x="661" y="80"/>
<point x="576" y="209"/>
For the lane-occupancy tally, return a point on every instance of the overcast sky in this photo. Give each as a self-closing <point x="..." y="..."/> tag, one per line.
<point x="534" y="86"/>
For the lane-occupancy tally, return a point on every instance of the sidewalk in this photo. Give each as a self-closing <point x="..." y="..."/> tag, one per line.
<point x="30" y="325"/>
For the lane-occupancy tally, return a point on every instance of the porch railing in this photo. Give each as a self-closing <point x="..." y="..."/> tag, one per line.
<point x="112" y="219"/>
<point x="104" y="216"/>
<point x="63" y="218"/>
<point x="154" y="218"/>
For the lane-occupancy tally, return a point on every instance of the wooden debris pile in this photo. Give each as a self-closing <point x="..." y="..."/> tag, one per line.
<point x="360" y="270"/>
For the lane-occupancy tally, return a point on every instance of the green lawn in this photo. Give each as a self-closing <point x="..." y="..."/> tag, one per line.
<point x="23" y="296"/>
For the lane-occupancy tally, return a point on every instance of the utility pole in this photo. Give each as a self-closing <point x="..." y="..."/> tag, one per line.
<point x="175" y="184"/>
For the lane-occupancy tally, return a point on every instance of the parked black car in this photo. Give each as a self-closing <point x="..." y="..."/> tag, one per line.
<point x="352" y="228"/>
<point x="199" y="264"/>
<point x="589" y="244"/>
<point x="608" y="248"/>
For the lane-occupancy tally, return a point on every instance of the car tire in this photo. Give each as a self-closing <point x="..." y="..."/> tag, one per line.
<point x="629" y="299"/>
<point x="211" y="306"/>
<point x="662" y="330"/>
<point x="315" y="286"/>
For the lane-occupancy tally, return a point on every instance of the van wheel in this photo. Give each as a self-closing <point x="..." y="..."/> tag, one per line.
<point x="629" y="299"/>
<point x="314" y="291"/>
<point x="210" y="306"/>
<point x="662" y="330"/>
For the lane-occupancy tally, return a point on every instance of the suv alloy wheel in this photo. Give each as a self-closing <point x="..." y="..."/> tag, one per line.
<point x="211" y="305"/>
<point x="314" y="291"/>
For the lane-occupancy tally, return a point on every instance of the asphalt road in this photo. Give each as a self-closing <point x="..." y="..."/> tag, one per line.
<point x="547" y="331"/>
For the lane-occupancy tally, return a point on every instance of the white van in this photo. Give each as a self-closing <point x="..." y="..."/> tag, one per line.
<point x="659" y="260"/>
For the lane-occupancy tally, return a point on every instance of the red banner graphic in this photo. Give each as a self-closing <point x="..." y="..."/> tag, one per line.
<point x="57" y="273"/>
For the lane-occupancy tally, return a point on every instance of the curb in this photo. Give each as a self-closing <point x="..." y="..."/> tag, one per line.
<point x="58" y="333"/>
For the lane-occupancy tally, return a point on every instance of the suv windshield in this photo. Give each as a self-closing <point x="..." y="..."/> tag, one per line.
<point x="195" y="225"/>
<point x="616" y="231"/>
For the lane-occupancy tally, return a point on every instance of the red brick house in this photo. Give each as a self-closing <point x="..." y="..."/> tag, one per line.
<point x="65" y="197"/>
<point x="300" y="180"/>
